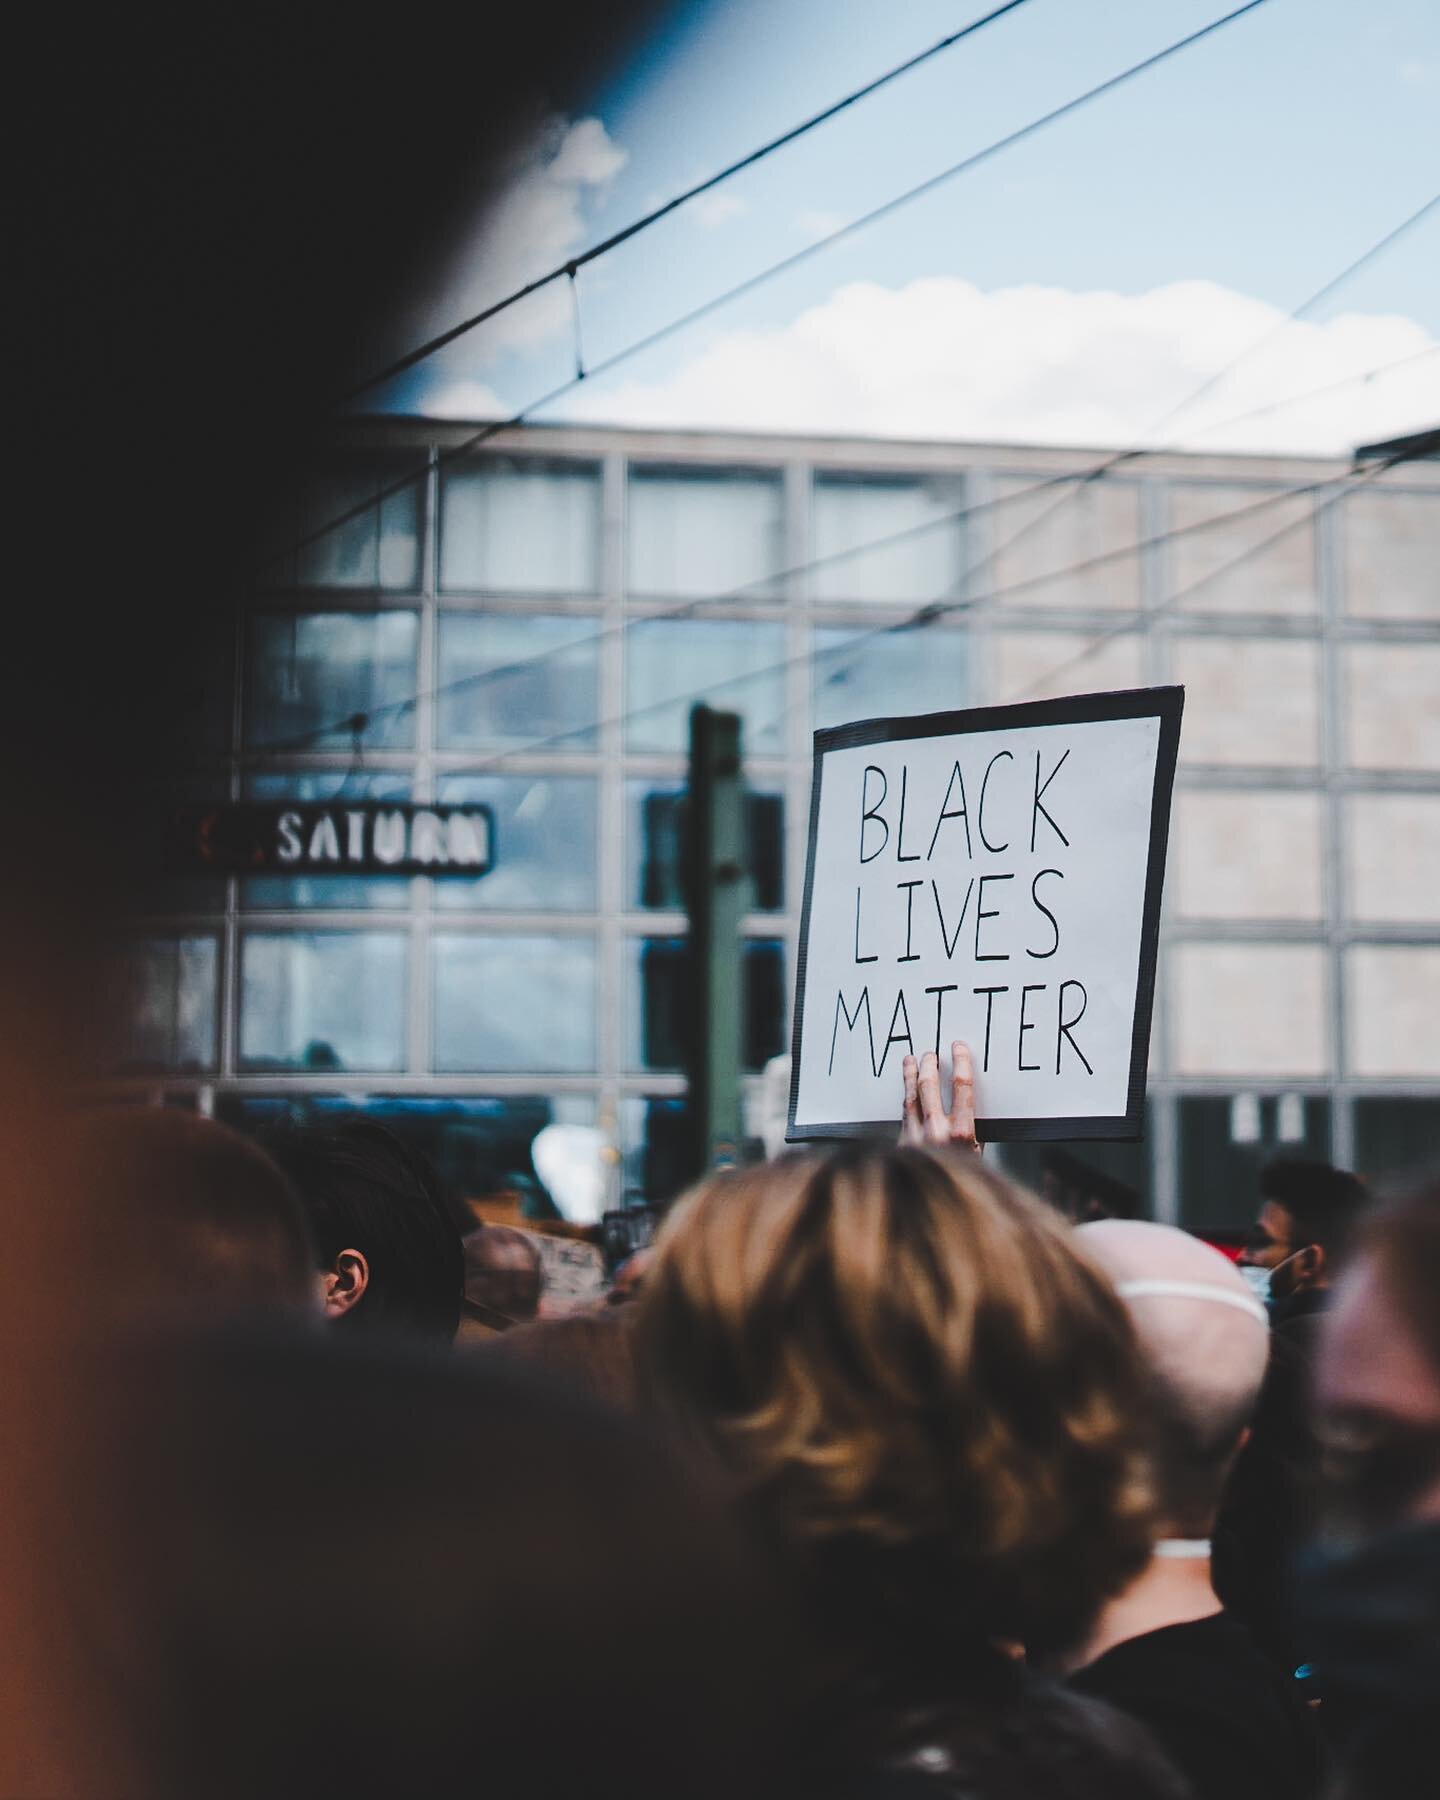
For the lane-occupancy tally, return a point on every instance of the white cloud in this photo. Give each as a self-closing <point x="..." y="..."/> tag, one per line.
<point x="939" y="358"/>
<point x="537" y="219"/>
<point x="465" y="399"/>
<point x="712" y="210"/>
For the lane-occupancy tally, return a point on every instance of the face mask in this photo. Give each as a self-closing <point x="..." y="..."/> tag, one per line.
<point x="1256" y="1279"/>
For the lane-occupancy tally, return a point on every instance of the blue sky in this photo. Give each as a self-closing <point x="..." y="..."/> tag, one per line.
<point x="1258" y="162"/>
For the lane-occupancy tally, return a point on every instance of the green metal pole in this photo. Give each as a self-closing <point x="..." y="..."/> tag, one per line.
<point x="718" y="894"/>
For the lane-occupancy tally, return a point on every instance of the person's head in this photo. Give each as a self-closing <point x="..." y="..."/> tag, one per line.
<point x="475" y="1593"/>
<point x="502" y="1281"/>
<point x="1378" y="1380"/>
<point x="925" y="1394"/>
<point x="593" y="1353"/>
<point x="1308" y="1211"/>
<point x="387" y="1244"/>
<point x="1206" y="1341"/>
<point x="1083" y="1193"/>
<point x="184" y="1219"/>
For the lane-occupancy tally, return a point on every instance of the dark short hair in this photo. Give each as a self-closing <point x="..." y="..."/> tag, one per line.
<point x="363" y="1188"/>
<point x="1325" y="1202"/>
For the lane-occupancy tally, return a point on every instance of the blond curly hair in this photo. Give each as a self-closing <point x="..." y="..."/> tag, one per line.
<point x="926" y="1395"/>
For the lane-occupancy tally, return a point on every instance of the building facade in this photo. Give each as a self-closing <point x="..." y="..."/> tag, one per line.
<point x="529" y="624"/>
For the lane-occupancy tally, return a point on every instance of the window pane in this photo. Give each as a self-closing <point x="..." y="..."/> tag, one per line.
<point x="521" y="527"/>
<point x="165" y="1004"/>
<point x="1250" y="1009"/>
<point x="657" y="1149"/>
<point x="884" y="677"/>
<point x="1242" y="855"/>
<point x="379" y="547"/>
<point x="525" y="680"/>
<point x="1390" y="992"/>
<point x="1087" y="1180"/>
<point x="480" y="1146"/>
<point x="1393" y="852"/>
<point x="1250" y="700"/>
<point x="311" y="671"/>
<point x="513" y="1003"/>
<point x="851" y="511"/>
<point x="1045" y="665"/>
<point x="279" y="893"/>
<point x="658" y="1012"/>
<point x="1236" y="567"/>
<point x="1037" y="542"/>
<point x="697" y="532"/>
<point x="1392" y="705"/>
<point x="1396" y="1136"/>
<point x="544" y="838"/>
<point x="1219" y="1171"/>
<point x="1392" y="553"/>
<point x="322" y="1000"/>
<point x="655" y="839"/>
<point x="672" y="664"/>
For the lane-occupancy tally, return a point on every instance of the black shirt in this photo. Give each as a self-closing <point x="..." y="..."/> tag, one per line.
<point x="1226" y="1717"/>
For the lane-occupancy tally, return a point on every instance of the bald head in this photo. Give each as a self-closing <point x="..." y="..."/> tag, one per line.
<point x="1207" y="1341"/>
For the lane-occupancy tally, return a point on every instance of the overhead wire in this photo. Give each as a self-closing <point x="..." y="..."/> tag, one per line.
<point x="595" y="728"/>
<point x="737" y="594"/>
<point x="751" y="282"/>
<point x="572" y="265"/>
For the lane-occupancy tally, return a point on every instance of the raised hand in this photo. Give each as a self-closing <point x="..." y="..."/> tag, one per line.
<point x="926" y="1120"/>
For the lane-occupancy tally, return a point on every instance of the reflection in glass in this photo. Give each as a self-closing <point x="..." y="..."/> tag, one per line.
<point x="322" y="1001"/>
<point x="544" y="839"/>
<point x="706" y="531"/>
<point x="657" y="1149"/>
<point x="888" y="674"/>
<point x="1220" y="1164"/>
<point x="312" y="671"/>
<point x="507" y="1004"/>
<point x="279" y="893"/>
<point x="480" y="1145"/>
<point x="165" y="1004"/>
<point x="671" y="664"/>
<point x="379" y="547"/>
<point x="520" y="526"/>
<point x="659" y="1010"/>
<point x="510" y="679"/>
<point x="852" y="511"/>
<point x="655" y="839"/>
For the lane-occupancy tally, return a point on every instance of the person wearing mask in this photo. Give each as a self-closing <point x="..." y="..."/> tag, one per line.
<point x="928" y="1407"/>
<point x="388" y="1247"/>
<point x="1369" y="1594"/>
<point x="1296" y="1250"/>
<point x="1165" y="1650"/>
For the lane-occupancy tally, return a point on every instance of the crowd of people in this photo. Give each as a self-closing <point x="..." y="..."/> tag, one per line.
<point x="875" y="1476"/>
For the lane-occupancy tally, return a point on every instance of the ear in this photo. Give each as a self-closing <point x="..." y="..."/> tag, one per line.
<point x="345" y="1284"/>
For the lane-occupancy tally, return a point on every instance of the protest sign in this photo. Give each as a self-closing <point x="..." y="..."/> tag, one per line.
<point x="994" y="876"/>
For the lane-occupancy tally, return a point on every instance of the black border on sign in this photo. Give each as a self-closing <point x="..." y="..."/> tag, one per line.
<point x="1163" y="703"/>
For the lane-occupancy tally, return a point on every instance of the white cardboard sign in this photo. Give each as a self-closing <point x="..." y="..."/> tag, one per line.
<point x="995" y="876"/>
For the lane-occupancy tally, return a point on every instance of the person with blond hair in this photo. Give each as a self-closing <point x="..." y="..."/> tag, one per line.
<point x="928" y="1405"/>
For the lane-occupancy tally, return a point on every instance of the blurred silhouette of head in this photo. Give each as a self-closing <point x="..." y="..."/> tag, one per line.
<point x="1379" y="1373"/>
<point x="592" y="1352"/>
<point x="487" y="1592"/>
<point x="184" y="1219"/>
<point x="387" y="1243"/>
<point x="1206" y="1341"/>
<point x="926" y="1396"/>
<point x="502" y="1281"/>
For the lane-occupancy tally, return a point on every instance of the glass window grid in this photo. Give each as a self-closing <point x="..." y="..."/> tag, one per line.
<point x="611" y="1085"/>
